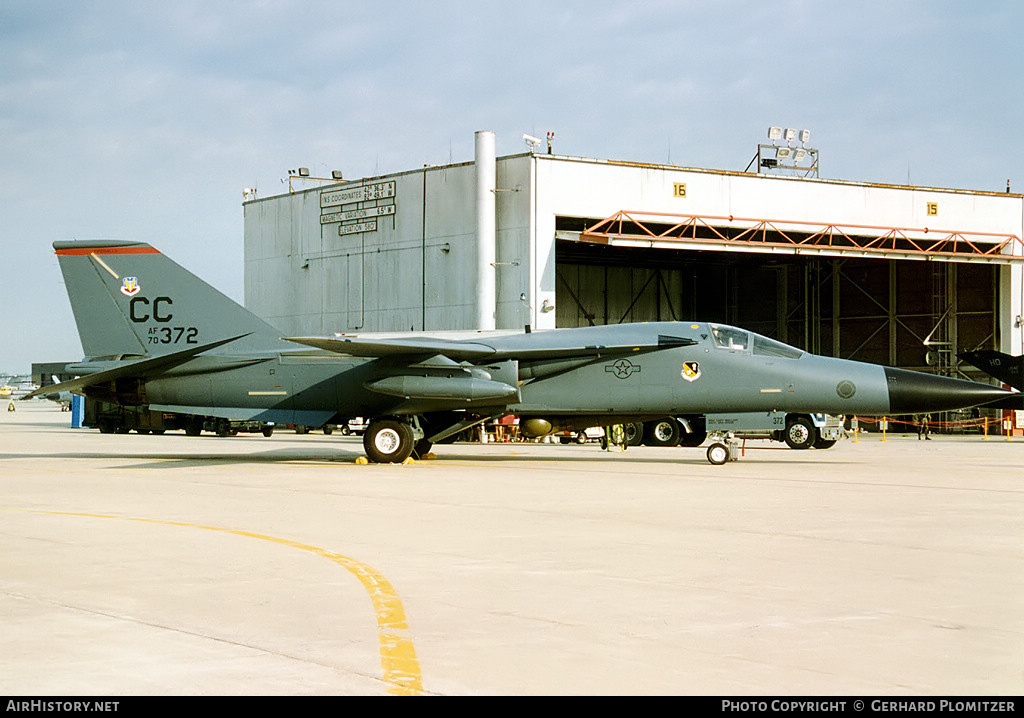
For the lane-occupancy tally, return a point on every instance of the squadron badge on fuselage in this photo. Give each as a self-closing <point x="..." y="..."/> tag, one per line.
<point x="691" y="371"/>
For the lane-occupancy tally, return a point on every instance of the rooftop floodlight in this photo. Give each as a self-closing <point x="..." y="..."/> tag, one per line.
<point x="303" y="171"/>
<point x="799" y="154"/>
<point x="783" y="153"/>
<point x="336" y="174"/>
<point x="805" y="135"/>
<point x="790" y="135"/>
<point x="774" y="133"/>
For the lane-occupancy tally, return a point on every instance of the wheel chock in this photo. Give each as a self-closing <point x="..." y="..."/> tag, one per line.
<point x="362" y="460"/>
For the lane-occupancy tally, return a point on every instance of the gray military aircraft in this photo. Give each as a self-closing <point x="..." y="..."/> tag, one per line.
<point x="1004" y="367"/>
<point x="154" y="334"/>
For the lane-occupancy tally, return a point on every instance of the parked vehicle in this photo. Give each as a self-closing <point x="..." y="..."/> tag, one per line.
<point x="799" y="431"/>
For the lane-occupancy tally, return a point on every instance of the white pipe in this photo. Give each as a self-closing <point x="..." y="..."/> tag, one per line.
<point x="486" y="236"/>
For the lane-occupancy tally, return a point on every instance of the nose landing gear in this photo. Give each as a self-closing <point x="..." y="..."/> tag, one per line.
<point x="723" y="449"/>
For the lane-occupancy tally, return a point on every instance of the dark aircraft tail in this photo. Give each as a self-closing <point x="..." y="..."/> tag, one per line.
<point x="1007" y="369"/>
<point x="129" y="299"/>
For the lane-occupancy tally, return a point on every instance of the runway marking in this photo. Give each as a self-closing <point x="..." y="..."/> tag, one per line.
<point x="397" y="654"/>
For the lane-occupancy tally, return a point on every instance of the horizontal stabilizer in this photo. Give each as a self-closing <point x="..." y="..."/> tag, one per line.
<point x="137" y="369"/>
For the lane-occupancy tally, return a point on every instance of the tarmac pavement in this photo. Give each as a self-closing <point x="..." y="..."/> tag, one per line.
<point x="170" y="565"/>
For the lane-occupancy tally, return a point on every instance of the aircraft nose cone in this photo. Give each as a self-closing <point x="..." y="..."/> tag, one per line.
<point x="913" y="392"/>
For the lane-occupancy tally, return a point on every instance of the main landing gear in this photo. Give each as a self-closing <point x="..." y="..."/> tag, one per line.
<point x="392" y="441"/>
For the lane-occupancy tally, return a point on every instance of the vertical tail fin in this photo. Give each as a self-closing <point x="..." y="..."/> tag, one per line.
<point x="128" y="298"/>
<point x="1007" y="369"/>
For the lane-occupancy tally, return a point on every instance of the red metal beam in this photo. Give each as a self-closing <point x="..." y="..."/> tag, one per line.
<point x="798" y="233"/>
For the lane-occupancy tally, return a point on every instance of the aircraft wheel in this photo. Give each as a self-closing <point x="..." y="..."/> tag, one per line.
<point x="267" y="431"/>
<point x="664" y="432"/>
<point x="388" y="442"/>
<point x="800" y="433"/>
<point x="718" y="453"/>
<point x="820" y="443"/>
<point x="634" y="433"/>
<point x="328" y="430"/>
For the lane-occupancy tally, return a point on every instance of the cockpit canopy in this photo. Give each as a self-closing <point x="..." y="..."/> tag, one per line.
<point x="726" y="337"/>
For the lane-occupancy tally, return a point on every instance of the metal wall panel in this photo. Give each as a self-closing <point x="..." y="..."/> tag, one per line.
<point x="416" y="267"/>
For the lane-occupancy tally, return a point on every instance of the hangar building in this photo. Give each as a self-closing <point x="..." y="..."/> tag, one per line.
<point x="898" y="275"/>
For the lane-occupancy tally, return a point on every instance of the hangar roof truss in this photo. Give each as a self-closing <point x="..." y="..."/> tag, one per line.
<point x="652" y="229"/>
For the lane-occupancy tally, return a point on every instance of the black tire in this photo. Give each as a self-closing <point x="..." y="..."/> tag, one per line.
<point x="564" y="439"/>
<point x="634" y="433"/>
<point x="581" y="437"/>
<point x="820" y="443"/>
<point x="388" y="442"/>
<point x="718" y="453"/>
<point x="800" y="433"/>
<point x="328" y="430"/>
<point x="663" y="432"/>
<point x="267" y="431"/>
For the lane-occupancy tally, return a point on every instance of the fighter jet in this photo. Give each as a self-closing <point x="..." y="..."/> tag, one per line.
<point x="154" y="334"/>
<point x="1004" y="367"/>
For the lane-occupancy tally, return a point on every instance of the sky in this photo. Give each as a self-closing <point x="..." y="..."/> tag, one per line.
<point x="145" y="121"/>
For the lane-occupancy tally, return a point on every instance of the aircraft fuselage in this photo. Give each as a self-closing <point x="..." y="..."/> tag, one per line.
<point x="743" y="372"/>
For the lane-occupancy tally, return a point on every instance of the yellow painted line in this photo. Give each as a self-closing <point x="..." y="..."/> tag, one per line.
<point x="397" y="655"/>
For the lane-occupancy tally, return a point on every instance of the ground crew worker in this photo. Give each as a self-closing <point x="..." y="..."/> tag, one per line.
<point x="922" y="427"/>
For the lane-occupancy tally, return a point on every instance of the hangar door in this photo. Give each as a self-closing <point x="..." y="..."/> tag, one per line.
<point x="899" y="312"/>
